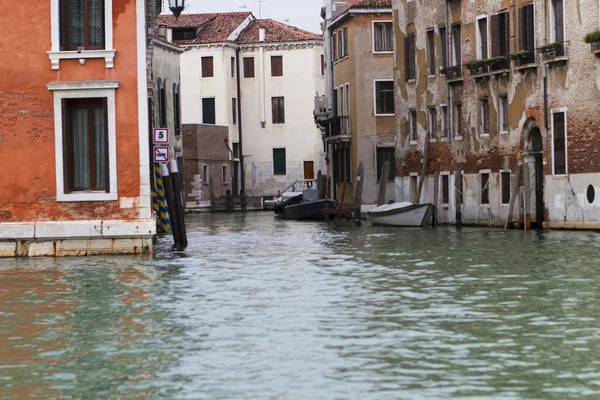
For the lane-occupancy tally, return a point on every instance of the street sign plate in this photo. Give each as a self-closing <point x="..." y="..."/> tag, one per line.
<point x="161" y="135"/>
<point x="161" y="154"/>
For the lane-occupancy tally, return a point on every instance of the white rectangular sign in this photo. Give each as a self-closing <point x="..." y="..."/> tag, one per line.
<point x="161" y="154"/>
<point x="161" y="135"/>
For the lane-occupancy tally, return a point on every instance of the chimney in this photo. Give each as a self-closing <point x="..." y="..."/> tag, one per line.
<point x="261" y="35"/>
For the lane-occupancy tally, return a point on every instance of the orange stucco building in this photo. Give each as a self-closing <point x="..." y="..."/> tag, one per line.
<point x="74" y="148"/>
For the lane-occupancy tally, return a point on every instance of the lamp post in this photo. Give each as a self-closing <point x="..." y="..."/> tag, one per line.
<point x="176" y="7"/>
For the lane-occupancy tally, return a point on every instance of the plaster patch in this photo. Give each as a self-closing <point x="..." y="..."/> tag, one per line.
<point x="126" y="202"/>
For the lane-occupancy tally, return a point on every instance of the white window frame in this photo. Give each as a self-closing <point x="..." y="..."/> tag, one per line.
<point x="412" y="125"/>
<point x="552" y="112"/>
<point x="224" y="174"/>
<point x="430" y="123"/>
<point x="478" y="35"/>
<point x="429" y="75"/>
<point x="443" y="127"/>
<point x="83" y="90"/>
<point x="56" y="54"/>
<point x="413" y="175"/>
<point x="375" y="98"/>
<point x="373" y="36"/>
<point x="441" y="189"/>
<point x="504" y="171"/>
<point x="206" y="174"/>
<point x="453" y="61"/>
<point x="482" y="133"/>
<point x="501" y="113"/>
<point x="553" y="22"/>
<point x="489" y="187"/>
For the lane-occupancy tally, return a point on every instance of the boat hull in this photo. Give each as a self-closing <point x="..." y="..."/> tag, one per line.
<point x="304" y="211"/>
<point x="415" y="215"/>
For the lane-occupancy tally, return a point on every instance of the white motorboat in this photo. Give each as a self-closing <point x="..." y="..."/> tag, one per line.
<point x="401" y="214"/>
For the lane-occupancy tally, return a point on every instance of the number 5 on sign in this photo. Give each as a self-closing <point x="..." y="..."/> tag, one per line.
<point x="161" y="135"/>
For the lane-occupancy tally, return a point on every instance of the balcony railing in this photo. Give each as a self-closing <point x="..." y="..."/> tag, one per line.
<point x="322" y="110"/>
<point x="453" y="72"/>
<point x="523" y="57"/>
<point x="555" y="52"/>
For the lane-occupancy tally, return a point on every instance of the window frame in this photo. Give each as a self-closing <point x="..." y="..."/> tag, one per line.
<point x="484" y="197"/>
<point x="374" y="36"/>
<point x="56" y="54"/>
<point x="444" y="122"/>
<point x="445" y="191"/>
<point x="432" y="123"/>
<point x="410" y="67"/>
<point x="246" y="70"/>
<point x="431" y="61"/>
<point x="504" y="172"/>
<point x="413" y="130"/>
<point x="276" y="57"/>
<point x="85" y="90"/>
<point x="502" y="110"/>
<point x="376" y="99"/>
<point x="281" y="118"/>
<point x="392" y="171"/>
<point x="456" y="53"/>
<point x="564" y="112"/>
<point x="224" y="174"/>
<point x="214" y="109"/>
<point x="457" y="121"/>
<point x="234" y="111"/>
<point x="210" y="71"/>
<point x="484" y="120"/>
<point x="479" y="38"/>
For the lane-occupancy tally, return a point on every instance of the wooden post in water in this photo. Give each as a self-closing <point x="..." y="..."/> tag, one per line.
<point x="320" y="187"/>
<point x="526" y="202"/>
<point x="341" y="205"/>
<point x="358" y="194"/>
<point x="436" y="190"/>
<point x="458" y="195"/>
<point x="329" y="195"/>
<point x="383" y="180"/>
<point x="425" y="166"/>
<point x="211" y="188"/>
<point x="513" y="197"/>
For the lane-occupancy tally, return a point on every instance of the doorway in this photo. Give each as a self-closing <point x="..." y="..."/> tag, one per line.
<point x="535" y="156"/>
<point x="309" y="172"/>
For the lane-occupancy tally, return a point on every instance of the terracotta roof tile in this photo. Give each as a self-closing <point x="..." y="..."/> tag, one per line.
<point x="275" y="32"/>
<point x="373" y="4"/>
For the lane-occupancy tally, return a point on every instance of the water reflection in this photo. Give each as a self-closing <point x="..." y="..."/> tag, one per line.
<point x="261" y="308"/>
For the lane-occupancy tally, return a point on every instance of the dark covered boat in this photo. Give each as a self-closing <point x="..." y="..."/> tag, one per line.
<point x="304" y="206"/>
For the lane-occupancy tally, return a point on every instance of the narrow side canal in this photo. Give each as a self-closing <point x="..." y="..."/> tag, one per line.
<point x="261" y="308"/>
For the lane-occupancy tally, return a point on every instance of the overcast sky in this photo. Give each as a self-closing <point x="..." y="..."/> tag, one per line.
<point x="304" y="14"/>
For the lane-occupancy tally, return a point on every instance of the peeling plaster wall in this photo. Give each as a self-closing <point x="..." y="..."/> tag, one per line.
<point x="574" y="85"/>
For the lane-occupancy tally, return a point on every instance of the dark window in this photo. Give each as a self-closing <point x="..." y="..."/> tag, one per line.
<point x="236" y="150"/>
<point x="459" y="188"/>
<point x="345" y="42"/>
<point x="206" y="177"/>
<point x="276" y="65"/>
<point x="503" y="113"/>
<point x="322" y="65"/>
<point x="500" y="39"/>
<point x="208" y="111"/>
<point x="443" y="47"/>
<point x="527" y="32"/>
<point x="483" y="38"/>
<point x="248" y="67"/>
<point x="82" y="24"/>
<point x="559" y="143"/>
<point x="409" y="57"/>
<point x="278" y="107"/>
<point x="413" y="188"/>
<point x="433" y="123"/>
<point x="384" y="92"/>
<point x="413" y="125"/>
<point x="485" y="115"/>
<point x="445" y="189"/>
<point x="431" y="52"/>
<point x="334" y="48"/>
<point x="386" y="154"/>
<point x="458" y="119"/>
<point x="456" y="45"/>
<point x="342" y="164"/>
<point x="162" y="85"/>
<point x="557" y="19"/>
<point x="505" y="176"/>
<point x="233" y="67"/>
<point x="444" y="122"/>
<point x="485" y="189"/>
<point x="234" y="111"/>
<point x="86" y="145"/>
<point x="176" y="109"/>
<point x="207" y="67"/>
<point x="224" y="173"/>
<point x="348" y="163"/>
<point x="184" y="33"/>
<point x="279" y="162"/>
<point x="383" y="36"/>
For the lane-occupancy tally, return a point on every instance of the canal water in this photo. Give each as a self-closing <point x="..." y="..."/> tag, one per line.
<point x="267" y="309"/>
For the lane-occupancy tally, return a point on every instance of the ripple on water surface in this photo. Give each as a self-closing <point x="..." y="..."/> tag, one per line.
<point x="261" y="308"/>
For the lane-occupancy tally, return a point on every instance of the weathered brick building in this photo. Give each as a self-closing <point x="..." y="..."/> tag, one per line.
<point x="74" y="129"/>
<point x="490" y="85"/>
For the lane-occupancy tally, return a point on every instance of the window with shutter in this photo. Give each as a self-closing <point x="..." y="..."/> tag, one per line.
<point x="557" y="29"/>
<point x="456" y="45"/>
<point x="432" y="122"/>
<point x="248" y="67"/>
<point x="485" y="116"/>
<point x="334" y="48"/>
<point x="409" y="57"/>
<point x="345" y="31"/>
<point x="458" y="120"/>
<point x="482" y="38"/>
<point x="413" y="125"/>
<point x="559" y="143"/>
<point x="207" y="67"/>
<point x="443" y="48"/>
<point x="444" y="129"/>
<point x="431" y="51"/>
<point x="278" y="106"/>
<point x="276" y="65"/>
<point x="527" y="33"/>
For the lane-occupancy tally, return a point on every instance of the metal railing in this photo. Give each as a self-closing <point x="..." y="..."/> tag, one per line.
<point x="300" y="185"/>
<point x="453" y="72"/>
<point x="322" y="106"/>
<point x="553" y="51"/>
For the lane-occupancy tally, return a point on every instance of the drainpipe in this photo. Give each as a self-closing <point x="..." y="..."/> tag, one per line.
<point x="239" y="121"/>
<point x="449" y="107"/>
<point x="545" y="7"/>
<point x="328" y="51"/>
<point x="261" y="77"/>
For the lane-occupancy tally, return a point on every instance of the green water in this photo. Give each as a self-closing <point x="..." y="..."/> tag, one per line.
<point x="267" y="309"/>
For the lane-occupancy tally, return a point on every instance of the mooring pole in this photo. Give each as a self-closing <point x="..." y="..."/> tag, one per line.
<point x="358" y="194"/>
<point x="164" y="171"/>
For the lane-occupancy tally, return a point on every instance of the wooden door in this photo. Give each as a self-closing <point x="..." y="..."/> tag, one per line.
<point x="309" y="170"/>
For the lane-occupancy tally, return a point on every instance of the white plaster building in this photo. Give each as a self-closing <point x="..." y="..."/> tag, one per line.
<point x="280" y="70"/>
